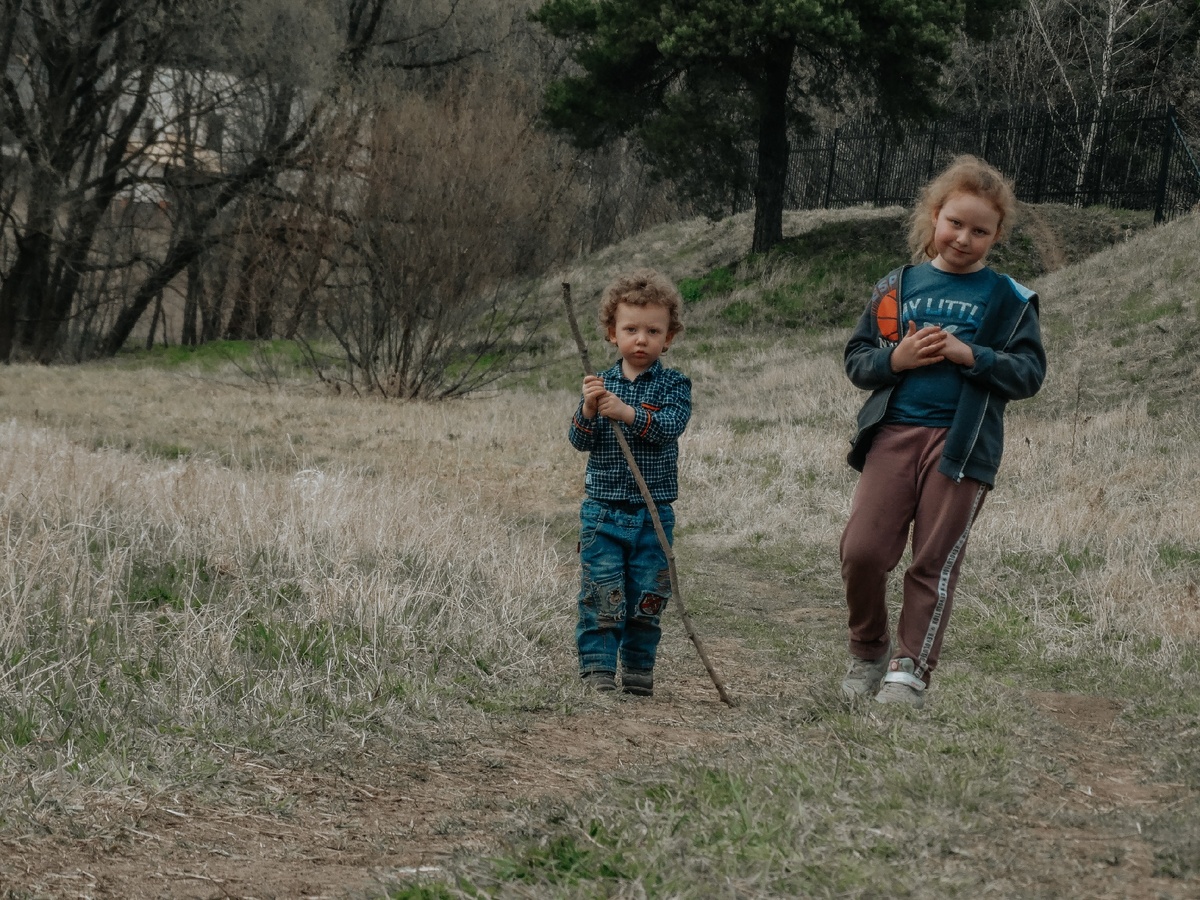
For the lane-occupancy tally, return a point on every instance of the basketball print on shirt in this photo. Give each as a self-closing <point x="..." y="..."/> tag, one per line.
<point x="885" y="306"/>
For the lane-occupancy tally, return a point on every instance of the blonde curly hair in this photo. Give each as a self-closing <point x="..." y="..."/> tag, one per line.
<point x="966" y="174"/>
<point x="641" y="287"/>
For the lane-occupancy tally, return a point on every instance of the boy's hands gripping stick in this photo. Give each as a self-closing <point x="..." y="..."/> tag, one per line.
<point x="599" y="400"/>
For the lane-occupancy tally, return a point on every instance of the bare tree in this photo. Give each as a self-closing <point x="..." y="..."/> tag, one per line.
<point x="454" y="199"/>
<point x="110" y="103"/>
<point x="1092" y="47"/>
<point x="259" y="168"/>
<point x="1079" y="54"/>
<point x="67" y="70"/>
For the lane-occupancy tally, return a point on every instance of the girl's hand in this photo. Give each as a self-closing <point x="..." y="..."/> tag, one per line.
<point x="958" y="352"/>
<point x="919" y="348"/>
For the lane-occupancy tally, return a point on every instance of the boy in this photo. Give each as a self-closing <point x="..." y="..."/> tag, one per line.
<point x="625" y="581"/>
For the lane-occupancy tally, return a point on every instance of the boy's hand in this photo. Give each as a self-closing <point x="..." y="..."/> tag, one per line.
<point x="958" y="352"/>
<point x="593" y="390"/>
<point x="613" y="407"/>
<point x="922" y="347"/>
<point x="597" y="399"/>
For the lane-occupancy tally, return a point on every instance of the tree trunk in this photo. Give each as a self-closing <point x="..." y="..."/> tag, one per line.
<point x="176" y="261"/>
<point x="771" y="179"/>
<point x="158" y="311"/>
<point x="24" y="288"/>
<point x="243" y="319"/>
<point x="212" y="302"/>
<point x="191" y="305"/>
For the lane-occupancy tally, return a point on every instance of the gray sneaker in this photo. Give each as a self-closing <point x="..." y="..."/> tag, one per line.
<point x="863" y="678"/>
<point x="600" y="681"/>
<point x="901" y="686"/>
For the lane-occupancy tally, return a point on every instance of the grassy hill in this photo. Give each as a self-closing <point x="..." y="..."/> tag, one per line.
<point x="265" y="641"/>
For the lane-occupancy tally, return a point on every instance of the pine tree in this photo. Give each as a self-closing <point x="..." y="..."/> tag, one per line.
<point x="711" y="87"/>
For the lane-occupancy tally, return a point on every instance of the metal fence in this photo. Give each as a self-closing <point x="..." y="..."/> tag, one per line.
<point x="1124" y="157"/>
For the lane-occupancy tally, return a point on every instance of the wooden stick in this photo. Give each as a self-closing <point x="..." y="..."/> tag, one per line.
<point x="650" y="505"/>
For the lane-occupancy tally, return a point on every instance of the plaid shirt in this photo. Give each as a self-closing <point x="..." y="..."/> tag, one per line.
<point x="662" y="402"/>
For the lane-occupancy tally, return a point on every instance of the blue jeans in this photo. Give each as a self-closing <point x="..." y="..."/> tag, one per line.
<point x="620" y="558"/>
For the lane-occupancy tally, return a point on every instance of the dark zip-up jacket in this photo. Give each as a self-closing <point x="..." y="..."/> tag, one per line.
<point x="1010" y="364"/>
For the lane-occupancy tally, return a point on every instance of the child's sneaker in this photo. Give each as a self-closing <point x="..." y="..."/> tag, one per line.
<point x="863" y="678"/>
<point x="600" y="681"/>
<point x="639" y="682"/>
<point x="901" y="686"/>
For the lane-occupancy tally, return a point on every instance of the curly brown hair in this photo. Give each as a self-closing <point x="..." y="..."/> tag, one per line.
<point x="641" y="287"/>
<point x="966" y="174"/>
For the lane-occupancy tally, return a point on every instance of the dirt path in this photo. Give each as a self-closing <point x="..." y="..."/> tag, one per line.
<point x="380" y="814"/>
<point x="351" y="832"/>
<point x="1082" y="831"/>
<point x="1050" y="248"/>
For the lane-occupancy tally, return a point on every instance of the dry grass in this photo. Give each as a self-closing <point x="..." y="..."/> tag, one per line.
<point x="193" y="562"/>
<point x="696" y="246"/>
<point x="202" y="594"/>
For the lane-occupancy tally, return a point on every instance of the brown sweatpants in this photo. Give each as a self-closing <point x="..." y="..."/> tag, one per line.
<point x="901" y="486"/>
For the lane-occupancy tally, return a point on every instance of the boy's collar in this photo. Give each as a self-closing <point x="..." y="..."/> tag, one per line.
<point x="652" y="370"/>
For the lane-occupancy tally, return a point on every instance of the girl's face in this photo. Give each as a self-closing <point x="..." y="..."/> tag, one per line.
<point x="964" y="229"/>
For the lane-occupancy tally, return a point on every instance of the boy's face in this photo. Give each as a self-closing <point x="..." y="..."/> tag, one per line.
<point x="964" y="229"/>
<point x="640" y="333"/>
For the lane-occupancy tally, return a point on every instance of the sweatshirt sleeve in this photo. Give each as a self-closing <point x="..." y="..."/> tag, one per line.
<point x="1017" y="371"/>
<point x="868" y="358"/>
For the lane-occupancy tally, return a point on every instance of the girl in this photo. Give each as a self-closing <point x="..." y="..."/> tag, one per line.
<point x="943" y="346"/>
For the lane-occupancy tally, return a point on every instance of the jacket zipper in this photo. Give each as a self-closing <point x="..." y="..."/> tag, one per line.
<point x="962" y="470"/>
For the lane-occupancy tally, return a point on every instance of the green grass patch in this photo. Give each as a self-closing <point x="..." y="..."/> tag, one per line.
<point x="995" y="638"/>
<point x="1080" y="559"/>
<point x="421" y="892"/>
<point x="1143" y="307"/>
<point x="820" y="279"/>
<point x="20" y="727"/>
<point x="718" y="281"/>
<point x="216" y="355"/>
<point x="274" y="643"/>
<point x="568" y="860"/>
<point x="174" y="584"/>
<point x="1179" y="556"/>
<point x="740" y="312"/>
<point x="831" y="272"/>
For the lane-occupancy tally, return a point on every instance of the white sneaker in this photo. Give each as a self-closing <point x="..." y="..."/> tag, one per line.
<point x="901" y="686"/>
